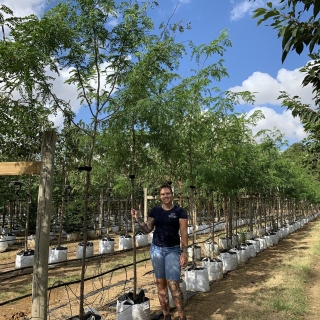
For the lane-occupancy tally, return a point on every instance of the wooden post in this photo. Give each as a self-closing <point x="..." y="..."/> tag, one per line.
<point x="250" y="212"/>
<point x="194" y="220"/>
<point x="145" y="204"/>
<point x="101" y="214"/>
<point x="40" y="266"/>
<point x="229" y="221"/>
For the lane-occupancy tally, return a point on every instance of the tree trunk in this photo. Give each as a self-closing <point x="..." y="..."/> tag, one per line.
<point x="40" y="266"/>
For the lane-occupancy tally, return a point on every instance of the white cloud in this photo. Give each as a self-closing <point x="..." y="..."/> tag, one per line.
<point x="69" y="93"/>
<point x="284" y="122"/>
<point x="113" y="22"/>
<point x="66" y="92"/>
<point x="244" y="7"/>
<point x="267" y="89"/>
<point x="22" y="8"/>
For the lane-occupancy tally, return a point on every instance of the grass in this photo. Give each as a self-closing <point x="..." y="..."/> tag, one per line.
<point x="285" y="298"/>
<point x="289" y="297"/>
<point x="16" y="292"/>
<point x="316" y="248"/>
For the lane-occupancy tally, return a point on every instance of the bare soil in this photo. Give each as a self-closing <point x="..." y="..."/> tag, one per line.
<point x="229" y="298"/>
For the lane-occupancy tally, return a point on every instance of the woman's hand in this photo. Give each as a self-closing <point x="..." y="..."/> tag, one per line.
<point x="183" y="259"/>
<point x="135" y="213"/>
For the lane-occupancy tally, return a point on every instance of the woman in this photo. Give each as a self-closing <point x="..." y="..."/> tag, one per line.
<point x="166" y="256"/>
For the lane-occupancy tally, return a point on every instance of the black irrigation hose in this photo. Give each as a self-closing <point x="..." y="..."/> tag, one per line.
<point x="90" y="259"/>
<point x="96" y="291"/>
<point x="77" y="281"/>
<point x="73" y="282"/>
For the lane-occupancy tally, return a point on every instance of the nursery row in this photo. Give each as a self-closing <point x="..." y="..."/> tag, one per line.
<point x="198" y="277"/>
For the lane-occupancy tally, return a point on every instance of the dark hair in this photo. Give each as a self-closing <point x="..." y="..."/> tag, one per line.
<point x="166" y="186"/>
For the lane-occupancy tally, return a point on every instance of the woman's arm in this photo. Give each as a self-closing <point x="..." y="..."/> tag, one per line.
<point x="184" y="241"/>
<point x="146" y="227"/>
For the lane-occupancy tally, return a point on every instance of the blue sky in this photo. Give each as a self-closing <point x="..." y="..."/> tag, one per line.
<point x="253" y="62"/>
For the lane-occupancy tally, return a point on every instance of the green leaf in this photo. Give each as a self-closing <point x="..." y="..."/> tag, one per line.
<point x="259" y="12"/>
<point x="299" y="47"/>
<point x="313" y="42"/>
<point x="316" y="8"/>
<point x="284" y="55"/>
<point x="286" y="37"/>
<point x="269" y="4"/>
<point x="270" y="14"/>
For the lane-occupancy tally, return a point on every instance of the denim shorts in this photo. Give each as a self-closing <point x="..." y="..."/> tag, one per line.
<point x="166" y="262"/>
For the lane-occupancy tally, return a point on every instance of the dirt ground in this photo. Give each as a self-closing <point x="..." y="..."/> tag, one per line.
<point x="228" y="298"/>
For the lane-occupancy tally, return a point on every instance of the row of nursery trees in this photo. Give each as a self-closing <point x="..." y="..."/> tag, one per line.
<point x="144" y="119"/>
<point x="145" y="123"/>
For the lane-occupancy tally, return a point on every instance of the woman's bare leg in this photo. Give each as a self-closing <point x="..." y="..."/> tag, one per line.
<point x="177" y="296"/>
<point x="163" y="295"/>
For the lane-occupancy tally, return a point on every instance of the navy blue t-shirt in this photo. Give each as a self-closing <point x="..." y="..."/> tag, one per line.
<point x="166" y="222"/>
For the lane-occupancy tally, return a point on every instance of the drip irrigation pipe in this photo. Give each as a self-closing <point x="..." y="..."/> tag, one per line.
<point x="74" y="282"/>
<point x="27" y="270"/>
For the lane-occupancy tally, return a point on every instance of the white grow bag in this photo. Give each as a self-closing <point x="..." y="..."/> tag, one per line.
<point x="125" y="242"/>
<point x="214" y="267"/>
<point x="104" y="230"/>
<point x="284" y="232"/>
<point x="127" y="310"/>
<point x="141" y="239"/>
<point x="58" y="255"/>
<point x="199" y="229"/>
<point x="106" y="245"/>
<point x="206" y="228"/>
<point x="210" y="248"/>
<point x="287" y="230"/>
<point x="203" y="228"/>
<point x="251" y="249"/>
<point x="197" y="279"/>
<point x="11" y="239"/>
<point x="229" y="260"/>
<point x="242" y="255"/>
<point x="24" y="259"/>
<point x="280" y="233"/>
<point x="3" y="244"/>
<point x="194" y="252"/>
<point x="256" y="244"/>
<point x="291" y="228"/>
<point x="245" y="247"/>
<point x="114" y="228"/>
<point x="263" y="243"/>
<point x="269" y="240"/>
<point x="275" y="237"/>
<point x="89" y="250"/>
<point x="89" y="313"/>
